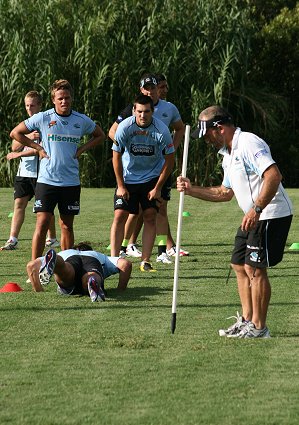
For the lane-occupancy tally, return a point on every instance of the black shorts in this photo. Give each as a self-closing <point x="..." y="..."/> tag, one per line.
<point x="66" y="197"/>
<point x="24" y="186"/>
<point x="166" y="189"/>
<point x="83" y="264"/>
<point x="264" y="246"/>
<point x="138" y="195"/>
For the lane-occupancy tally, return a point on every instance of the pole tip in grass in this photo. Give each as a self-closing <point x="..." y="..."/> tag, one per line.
<point x="173" y="322"/>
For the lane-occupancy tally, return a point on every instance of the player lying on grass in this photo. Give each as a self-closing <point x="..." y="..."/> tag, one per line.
<point x="78" y="271"/>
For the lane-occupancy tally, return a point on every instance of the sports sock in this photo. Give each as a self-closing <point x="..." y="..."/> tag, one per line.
<point x="124" y="245"/>
<point x="161" y="242"/>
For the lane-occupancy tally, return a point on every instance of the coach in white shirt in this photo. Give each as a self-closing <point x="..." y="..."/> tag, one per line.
<point x="250" y="173"/>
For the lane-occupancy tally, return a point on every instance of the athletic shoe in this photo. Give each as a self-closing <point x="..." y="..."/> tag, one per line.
<point x="163" y="258"/>
<point x="52" y="243"/>
<point x="65" y="291"/>
<point x="95" y="292"/>
<point x="133" y="251"/>
<point x="250" y="331"/>
<point x="234" y="329"/>
<point x="145" y="266"/>
<point x="9" y="245"/>
<point x="122" y="253"/>
<point x="172" y="252"/>
<point x="46" y="270"/>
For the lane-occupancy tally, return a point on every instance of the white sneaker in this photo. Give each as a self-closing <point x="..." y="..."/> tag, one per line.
<point x="52" y="243"/>
<point x="122" y="254"/>
<point x="250" y="331"/>
<point x="234" y="329"/>
<point x="172" y="252"/>
<point x="9" y="245"/>
<point x="95" y="291"/>
<point x="133" y="251"/>
<point x="46" y="270"/>
<point x="163" y="258"/>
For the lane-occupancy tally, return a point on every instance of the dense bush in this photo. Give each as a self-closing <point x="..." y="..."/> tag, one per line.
<point x="102" y="47"/>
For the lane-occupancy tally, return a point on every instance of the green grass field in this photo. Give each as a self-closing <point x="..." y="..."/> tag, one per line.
<point x="67" y="361"/>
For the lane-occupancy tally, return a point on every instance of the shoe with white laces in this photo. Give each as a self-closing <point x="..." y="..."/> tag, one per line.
<point x="145" y="266"/>
<point x="250" y="331"/>
<point x="46" y="270"/>
<point x="163" y="258"/>
<point x="52" y="243"/>
<point x="172" y="252"/>
<point x="133" y="251"/>
<point x="95" y="291"/>
<point x="10" y="245"/>
<point x="234" y="329"/>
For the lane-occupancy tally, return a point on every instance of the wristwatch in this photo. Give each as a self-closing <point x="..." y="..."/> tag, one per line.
<point x="257" y="209"/>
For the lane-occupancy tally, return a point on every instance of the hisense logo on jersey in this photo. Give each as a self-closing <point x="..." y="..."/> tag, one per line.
<point x="142" y="150"/>
<point x="63" y="138"/>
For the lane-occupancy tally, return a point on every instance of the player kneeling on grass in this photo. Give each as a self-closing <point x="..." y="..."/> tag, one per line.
<point x="78" y="271"/>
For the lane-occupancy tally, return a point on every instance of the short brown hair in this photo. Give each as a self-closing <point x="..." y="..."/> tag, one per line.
<point x="61" y="85"/>
<point x="213" y="112"/>
<point x="33" y="94"/>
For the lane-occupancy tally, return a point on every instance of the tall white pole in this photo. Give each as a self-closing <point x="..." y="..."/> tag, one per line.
<point x="179" y="230"/>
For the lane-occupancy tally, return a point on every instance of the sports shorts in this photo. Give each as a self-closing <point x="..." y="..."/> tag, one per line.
<point x="166" y="189"/>
<point x="138" y="195"/>
<point x="82" y="264"/>
<point x="66" y="197"/>
<point x="24" y="186"/>
<point x="264" y="246"/>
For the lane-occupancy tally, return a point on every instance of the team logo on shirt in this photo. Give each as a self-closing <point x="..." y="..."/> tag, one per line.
<point x="52" y="123"/>
<point x="261" y="153"/>
<point x="64" y="122"/>
<point x="140" y="133"/>
<point x="77" y="125"/>
<point x="63" y="138"/>
<point x="142" y="150"/>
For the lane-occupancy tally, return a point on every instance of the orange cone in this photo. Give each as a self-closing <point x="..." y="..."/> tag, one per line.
<point x="11" y="287"/>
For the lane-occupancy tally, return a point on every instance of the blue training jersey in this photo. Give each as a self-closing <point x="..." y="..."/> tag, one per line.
<point x="109" y="264"/>
<point x="61" y="136"/>
<point x="163" y="110"/>
<point x="142" y="149"/>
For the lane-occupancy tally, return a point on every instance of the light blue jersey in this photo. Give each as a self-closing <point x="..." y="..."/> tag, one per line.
<point x="28" y="165"/>
<point x="61" y="136"/>
<point x="108" y="263"/>
<point x="166" y="112"/>
<point x="163" y="110"/>
<point x="143" y="149"/>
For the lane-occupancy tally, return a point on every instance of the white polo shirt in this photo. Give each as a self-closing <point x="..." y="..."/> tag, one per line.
<point x="243" y="173"/>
